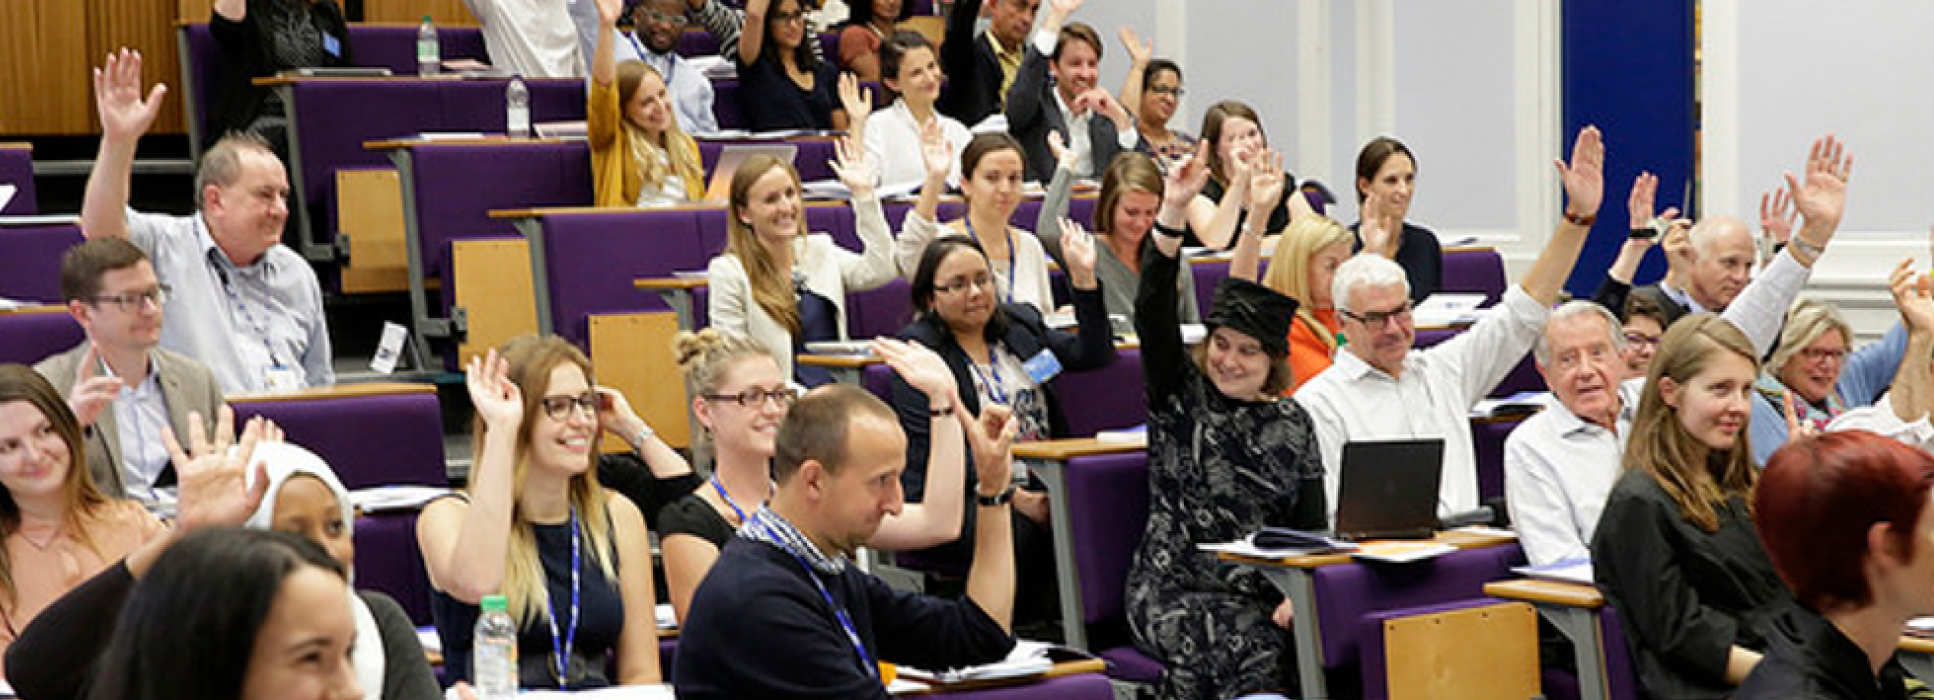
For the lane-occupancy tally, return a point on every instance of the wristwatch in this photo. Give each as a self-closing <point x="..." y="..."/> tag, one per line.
<point x="1006" y="496"/>
<point x="645" y="434"/>
<point x="941" y="412"/>
<point x="1801" y="245"/>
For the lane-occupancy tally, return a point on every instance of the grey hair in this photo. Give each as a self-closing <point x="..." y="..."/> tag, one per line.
<point x="1365" y="270"/>
<point x="1707" y="232"/>
<point x="1578" y="308"/>
<point x="221" y="165"/>
<point x="1806" y="320"/>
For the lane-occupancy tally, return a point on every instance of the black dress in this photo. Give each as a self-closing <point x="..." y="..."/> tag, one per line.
<point x="601" y="616"/>
<point x="1278" y="217"/>
<point x="1810" y="659"/>
<point x="1421" y="257"/>
<point x="694" y="516"/>
<point x="771" y="101"/>
<point x="1684" y="596"/>
<point x="1218" y="469"/>
<point x="273" y="36"/>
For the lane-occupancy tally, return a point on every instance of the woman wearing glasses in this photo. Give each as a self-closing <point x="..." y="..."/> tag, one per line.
<point x="997" y="353"/>
<point x="1152" y="92"/>
<point x="741" y="397"/>
<point x="536" y="525"/>
<point x="1813" y="368"/>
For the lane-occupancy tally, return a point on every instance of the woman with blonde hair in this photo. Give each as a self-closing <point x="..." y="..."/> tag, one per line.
<point x="782" y="287"/>
<point x="1814" y="369"/>
<point x="1131" y="195"/>
<point x="740" y="397"/>
<point x="571" y="557"/>
<point x="1676" y="552"/>
<point x="56" y="527"/>
<point x="639" y="156"/>
<point x="1307" y="255"/>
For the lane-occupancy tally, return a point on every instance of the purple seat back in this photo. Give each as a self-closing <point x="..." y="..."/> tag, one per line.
<point x="1345" y="593"/>
<point x="370" y="440"/>
<point x="1126" y="663"/>
<point x="1474" y="270"/>
<point x="387" y="560"/>
<point x="1106" y="398"/>
<point x="1619" y="671"/>
<point x="458" y="184"/>
<point x="1207" y="276"/>
<point x="594" y="258"/>
<point x="30" y="337"/>
<point x="1487" y="440"/>
<point x="30" y="267"/>
<point x="878" y="379"/>
<point x="17" y="169"/>
<point x="1107" y="510"/>
<point x="1376" y="664"/>
<point x="393" y="46"/>
<point x="201" y="76"/>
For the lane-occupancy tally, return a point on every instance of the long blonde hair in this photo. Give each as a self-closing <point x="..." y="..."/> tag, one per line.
<point x="1289" y="266"/>
<point x="771" y="287"/>
<point x="680" y="150"/>
<point x="531" y="358"/>
<point x="1696" y="477"/>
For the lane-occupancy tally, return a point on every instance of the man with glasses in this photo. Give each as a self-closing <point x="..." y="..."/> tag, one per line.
<point x="120" y="384"/>
<point x="656" y="26"/>
<point x="1378" y="389"/>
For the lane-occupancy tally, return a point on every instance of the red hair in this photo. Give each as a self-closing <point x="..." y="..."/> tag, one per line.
<point x="1818" y="498"/>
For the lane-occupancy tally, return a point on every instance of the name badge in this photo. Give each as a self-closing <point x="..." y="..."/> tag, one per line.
<point x="281" y="378"/>
<point x="1042" y="367"/>
<point x="332" y="45"/>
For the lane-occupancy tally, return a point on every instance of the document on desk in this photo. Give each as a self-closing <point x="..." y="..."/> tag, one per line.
<point x="1401" y="552"/>
<point x="1027" y="658"/>
<point x="1577" y="570"/>
<point x="1272" y="546"/>
<point x="377" y="499"/>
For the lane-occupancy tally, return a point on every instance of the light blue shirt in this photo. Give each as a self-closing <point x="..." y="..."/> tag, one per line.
<point x="1863" y="378"/>
<point x="140" y="414"/>
<point x="690" y="90"/>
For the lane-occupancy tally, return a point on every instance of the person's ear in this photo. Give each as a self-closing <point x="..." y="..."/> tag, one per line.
<point x="702" y="409"/>
<point x="211" y="197"/>
<point x="1669" y="390"/>
<point x="80" y="311"/>
<point x="814" y="476"/>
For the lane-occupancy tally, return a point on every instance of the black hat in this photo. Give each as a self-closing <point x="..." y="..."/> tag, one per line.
<point x="1253" y="310"/>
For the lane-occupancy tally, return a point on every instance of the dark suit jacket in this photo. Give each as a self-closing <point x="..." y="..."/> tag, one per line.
<point x="1673" y="310"/>
<point x="1032" y="113"/>
<point x="186" y="385"/>
<point x="973" y="89"/>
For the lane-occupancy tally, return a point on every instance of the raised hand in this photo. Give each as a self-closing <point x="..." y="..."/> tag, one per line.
<point x="1795" y="428"/>
<point x="497" y="399"/>
<point x="920" y="367"/>
<point x="1266" y="181"/>
<point x="1912" y="296"/>
<point x="1186" y="177"/>
<point x="1139" y="52"/>
<point x="609" y="11"/>
<point x="1775" y="218"/>
<point x="124" y="113"/>
<point x="1639" y="204"/>
<point x="853" y="167"/>
<point x="1374" y="229"/>
<point x="214" y="486"/>
<point x="1063" y="8"/>
<point x="92" y="393"/>
<point x="1064" y="157"/>
<point x="1078" y="247"/>
<point x="616" y="416"/>
<point x="1822" y="196"/>
<point x="857" y="103"/>
<point x="1584" y="177"/>
<point x="991" y="438"/>
<point x="936" y="152"/>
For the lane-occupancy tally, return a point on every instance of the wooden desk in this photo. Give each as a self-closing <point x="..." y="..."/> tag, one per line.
<point x="1292" y="576"/>
<point x="1573" y="609"/>
<point x="338" y="391"/>
<point x="1050" y="462"/>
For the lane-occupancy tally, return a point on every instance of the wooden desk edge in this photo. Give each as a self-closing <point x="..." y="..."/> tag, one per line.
<point x="1069" y="448"/>
<point x="838" y="361"/>
<point x="1554" y="592"/>
<point x="16" y="146"/>
<point x="486" y="140"/>
<point x="665" y="283"/>
<point x="36" y="309"/>
<point x="1917" y="645"/>
<point x="337" y="392"/>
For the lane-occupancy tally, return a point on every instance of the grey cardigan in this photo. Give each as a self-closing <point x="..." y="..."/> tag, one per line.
<point x="1118" y="283"/>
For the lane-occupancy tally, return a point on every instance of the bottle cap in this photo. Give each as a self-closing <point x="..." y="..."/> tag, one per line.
<point x="495" y="603"/>
<point x="426" y="19"/>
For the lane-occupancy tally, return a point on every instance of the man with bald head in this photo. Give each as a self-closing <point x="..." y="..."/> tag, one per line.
<point x="1717" y="264"/>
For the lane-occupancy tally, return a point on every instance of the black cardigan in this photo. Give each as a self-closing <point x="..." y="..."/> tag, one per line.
<point x="973" y="88"/>
<point x="245" y="56"/>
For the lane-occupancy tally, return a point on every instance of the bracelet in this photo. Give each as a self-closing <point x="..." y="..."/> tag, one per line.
<point x="1003" y="498"/>
<point x="941" y="412"/>
<point x="1585" y="220"/>
<point x="1804" y="247"/>
<point x="645" y="434"/>
<point x="1166" y="231"/>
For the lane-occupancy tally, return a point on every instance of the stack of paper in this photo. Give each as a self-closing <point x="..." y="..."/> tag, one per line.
<point x="1402" y="551"/>
<point x="1277" y="542"/>
<point x="1027" y="658"/>
<point x="714" y="66"/>
<point x="1577" y="571"/>
<point x="377" y="499"/>
<point x="1523" y="403"/>
<point x="1137" y="435"/>
<point x="1447" y="308"/>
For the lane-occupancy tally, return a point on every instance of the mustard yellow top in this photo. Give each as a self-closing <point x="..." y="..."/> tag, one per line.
<point x="615" y="174"/>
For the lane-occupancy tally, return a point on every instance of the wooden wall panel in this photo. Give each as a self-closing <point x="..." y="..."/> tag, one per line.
<point x="145" y="26"/>
<point x="443" y="12"/>
<point x="44" y="88"/>
<point x="194" y="10"/>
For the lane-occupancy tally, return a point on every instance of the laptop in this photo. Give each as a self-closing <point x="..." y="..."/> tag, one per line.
<point x="731" y="156"/>
<point x="1389" y="489"/>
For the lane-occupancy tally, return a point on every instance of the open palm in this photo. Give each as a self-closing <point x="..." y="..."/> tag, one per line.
<point x="117" y="96"/>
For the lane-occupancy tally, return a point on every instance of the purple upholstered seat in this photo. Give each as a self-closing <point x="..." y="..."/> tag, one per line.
<point x="1081" y="686"/>
<point x="879" y="311"/>
<point x="1207" y="276"/>
<point x="1375" y="662"/>
<point x="387" y="560"/>
<point x="1619" y="671"/>
<point x="1106" y="398"/>
<point x="1345" y="593"/>
<point x="1474" y="270"/>
<point x="1107" y="509"/>
<point x="17" y="169"/>
<point x="458" y="184"/>
<point x="30" y="265"/>
<point x="370" y="440"/>
<point x="593" y="259"/>
<point x="1487" y="440"/>
<point x="30" y="337"/>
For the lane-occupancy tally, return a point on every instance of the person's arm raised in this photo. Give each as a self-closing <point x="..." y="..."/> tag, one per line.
<point x="1214" y="223"/>
<point x="752" y="34"/>
<point x="1584" y="180"/>
<point x="1912" y="396"/>
<point x="1180" y="189"/>
<point x="936" y="519"/>
<point x="125" y="116"/>
<point x="1139" y="54"/>
<point x="1821" y="197"/>
<point x="213" y="485"/>
<point x="990" y="578"/>
<point x="465" y="548"/>
<point x="232" y="10"/>
<point x="604" y="64"/>
<point x="1265" y="189"/>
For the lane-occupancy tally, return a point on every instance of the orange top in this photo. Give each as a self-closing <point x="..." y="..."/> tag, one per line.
<point x="1308" y="353"/>
<point x="42" y="574"/>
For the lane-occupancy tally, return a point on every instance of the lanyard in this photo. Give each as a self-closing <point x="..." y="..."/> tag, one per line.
<point x="968" y="223"/>
<point x="734" y="505"/>
<point x="260" y="326"/>
<point x="995" y="392"/>
<point x="645" y="57"/>
<point x="839" y="611"/>
<point x="561" y="650"/>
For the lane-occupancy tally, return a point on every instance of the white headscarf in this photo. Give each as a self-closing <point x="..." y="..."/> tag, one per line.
<point x="282" y="460"/>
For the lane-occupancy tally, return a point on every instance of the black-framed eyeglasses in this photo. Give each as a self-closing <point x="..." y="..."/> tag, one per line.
<point x="1377" y="319"/>
<point x="1176" y="92"/>
<point x="964" y="284"/>
<point x="663" y="18"/>
<point x="559" y="407"/>
<point x="784" y="17"/>
<point x="133" y="302"/>
<point x="783" y="398"/>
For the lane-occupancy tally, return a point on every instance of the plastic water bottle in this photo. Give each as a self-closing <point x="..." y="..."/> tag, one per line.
<point x="493" y="651"/>
<point x="517" y="108"/>
<point x="427" y="60"/>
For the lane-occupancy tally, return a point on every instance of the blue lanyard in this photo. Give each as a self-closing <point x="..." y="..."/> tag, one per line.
<point x="561" y="650"/>
<point x="729" y="503"/>
<point x="994" y="385"/>
<point x="839" y="611"/>
<point x="260" y="326"/>
<point x="644" y="57"/>
<point x="968" y="223"/>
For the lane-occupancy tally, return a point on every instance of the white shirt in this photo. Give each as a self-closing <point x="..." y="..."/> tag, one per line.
<point x="140" y="414"/>
<point x="534" y="38"/>
<point x="690" y="90"/>
<point x="893" y="142"/>
<point x="1023" y="279"/>
<point x="1558" y="468"/>
<point x="1880" y="418"/>
<point x="1352" y="401"/>
<point x="1682" y="298"/>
